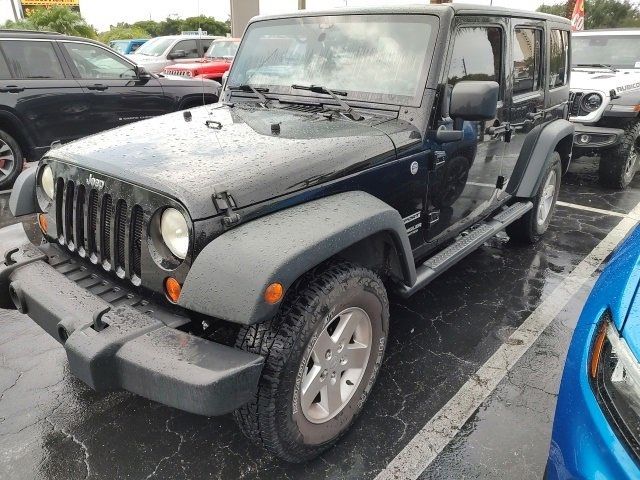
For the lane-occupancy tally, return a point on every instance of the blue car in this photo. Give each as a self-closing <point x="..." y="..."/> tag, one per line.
<point x="126" y="47"/>
<point x="596" y="431"/>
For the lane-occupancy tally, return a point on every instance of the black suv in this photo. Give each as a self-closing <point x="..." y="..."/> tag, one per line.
<point x="55" y="88"/>
<point x="239" y="257"/>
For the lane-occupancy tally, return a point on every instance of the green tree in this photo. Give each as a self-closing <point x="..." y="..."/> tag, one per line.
<point x="208" y="24"/>
<point x="56" y="19"/>
<point x="121" y="32"/>
<point x="600" y="13"/>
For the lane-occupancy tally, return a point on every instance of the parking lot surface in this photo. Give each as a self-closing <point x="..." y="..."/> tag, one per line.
<point x="53" y="426"/>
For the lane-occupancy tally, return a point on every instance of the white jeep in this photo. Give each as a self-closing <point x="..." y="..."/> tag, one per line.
<point x="605" y="101"/>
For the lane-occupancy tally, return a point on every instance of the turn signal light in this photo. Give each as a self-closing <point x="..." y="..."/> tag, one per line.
<point x="274" y="293"/>
<point x="597" y="350"/>
<point x="42" y="221"/>
<point x="173" y="289"/>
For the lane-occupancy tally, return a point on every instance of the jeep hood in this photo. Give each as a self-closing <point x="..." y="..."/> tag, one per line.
<point x="604" y="80"/>
<point x="253" y="153"/>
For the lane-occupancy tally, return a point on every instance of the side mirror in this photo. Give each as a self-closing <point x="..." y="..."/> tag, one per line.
<point x="143" y="74"/>
<point x="177" y="54"/>
<point x="474" y="100"/>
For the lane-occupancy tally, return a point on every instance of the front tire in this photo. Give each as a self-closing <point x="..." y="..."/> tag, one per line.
<point x="11" y="160"/>
<point x="323" y="351"/>
<point x="533" y="224"/>
<point x="619" y="165"/>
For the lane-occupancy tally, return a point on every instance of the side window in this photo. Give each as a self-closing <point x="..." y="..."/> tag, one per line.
<point x="206" y="43"/>
<point x="477" y="54"/>
<point x="190" y="48"/>
<point x="559" y="48"/>
<point x="94" y="62"/>
<point x="527" y="47"/>
<point x="30" y="59"/>
<point x="5" y="73"/>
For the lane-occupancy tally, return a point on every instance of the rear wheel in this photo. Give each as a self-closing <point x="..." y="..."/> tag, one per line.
<point x="533" y="224"/>
<point x="619" y="165"/>
<point x="322" y="355"/>
<point x="11" y="160"/>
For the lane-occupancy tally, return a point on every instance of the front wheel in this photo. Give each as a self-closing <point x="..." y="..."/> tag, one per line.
<point x="618" y="165"/>
<point x="322" y="354"/>
<point x="533" y="224"/>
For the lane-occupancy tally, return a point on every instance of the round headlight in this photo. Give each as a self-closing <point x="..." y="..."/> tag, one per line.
<point x="175" y="232"/>
<point x="46" y="181"/>
<point x="591" y="102"/>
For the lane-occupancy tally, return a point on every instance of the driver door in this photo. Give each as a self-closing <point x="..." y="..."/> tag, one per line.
<point x="117" y="95"/>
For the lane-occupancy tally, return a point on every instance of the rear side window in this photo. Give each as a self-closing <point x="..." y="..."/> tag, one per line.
<point x="559" y="58"/>
<point x="527" y="47"/>
<point x="206" y="43"/>
<point x="190" y="48"/>
<point x="30" y="59"/>
<point x="477" y="54"/>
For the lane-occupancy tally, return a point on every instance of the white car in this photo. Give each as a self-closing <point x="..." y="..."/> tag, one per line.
<point x="161" y="52"/>
<point x="605" y="101"/>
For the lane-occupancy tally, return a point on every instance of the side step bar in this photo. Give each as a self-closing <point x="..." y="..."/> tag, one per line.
<point x="467" y="243"/>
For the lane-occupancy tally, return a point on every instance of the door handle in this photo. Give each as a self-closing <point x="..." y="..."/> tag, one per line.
<point x="11" y="89"/>
<point x="98" y="86"/>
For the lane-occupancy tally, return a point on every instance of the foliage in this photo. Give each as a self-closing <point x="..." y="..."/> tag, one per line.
<point x="55" y="19"/>
<point x="600" y="13"/>
<point x="119" y="32"/>
<point x="173" y="26"/>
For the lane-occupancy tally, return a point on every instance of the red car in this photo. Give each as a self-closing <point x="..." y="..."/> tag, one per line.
<point x="215" y="63"/>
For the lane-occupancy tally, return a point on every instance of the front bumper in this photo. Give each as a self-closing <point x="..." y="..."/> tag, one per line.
<point x="596" y="138"/>
<point x="116" y="340"/>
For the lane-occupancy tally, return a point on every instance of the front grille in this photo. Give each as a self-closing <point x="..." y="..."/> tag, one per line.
<point x="182" y="73"/>
<point x="102" y="228"/>
<point x="574" y="104"/>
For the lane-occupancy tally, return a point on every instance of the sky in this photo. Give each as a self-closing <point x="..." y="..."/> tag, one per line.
<point x="102" y="13"/>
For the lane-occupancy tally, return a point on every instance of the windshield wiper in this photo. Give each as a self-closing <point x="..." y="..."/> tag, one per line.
<point x="333" y="93"/>
<point x="257" y="91"/>
<point x="596" y="65"/>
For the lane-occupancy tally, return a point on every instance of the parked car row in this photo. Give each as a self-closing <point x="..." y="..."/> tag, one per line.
<point x="56" y="88"/>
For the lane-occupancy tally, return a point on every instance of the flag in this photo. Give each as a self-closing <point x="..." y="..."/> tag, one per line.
<point x="577" y="18"/>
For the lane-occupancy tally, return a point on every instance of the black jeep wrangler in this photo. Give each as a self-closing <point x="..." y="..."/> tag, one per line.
<point x="237" y="257"/>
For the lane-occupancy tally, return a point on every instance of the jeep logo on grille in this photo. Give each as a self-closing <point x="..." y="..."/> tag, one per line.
<point x="95" y="182"/>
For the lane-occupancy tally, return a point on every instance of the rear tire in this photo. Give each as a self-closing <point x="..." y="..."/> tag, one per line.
<point x="287" y="416"/>
<point x="533" y="224"/>
<point x="11" y="160"/>
<point x="619" y="165"/>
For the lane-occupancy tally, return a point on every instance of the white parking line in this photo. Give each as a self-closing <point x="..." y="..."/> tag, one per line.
<point x="598" y="210"/>
<point x="423" y="449"/>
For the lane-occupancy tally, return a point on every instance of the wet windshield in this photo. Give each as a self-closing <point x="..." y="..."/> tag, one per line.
<point x="621" y="51"/>
<point x="371" y="57"/>
<point x="155" y="47"/>
<point x="223" y="49"/>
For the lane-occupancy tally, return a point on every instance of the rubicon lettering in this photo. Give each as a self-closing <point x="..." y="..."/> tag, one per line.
<point x="631" y="86"/>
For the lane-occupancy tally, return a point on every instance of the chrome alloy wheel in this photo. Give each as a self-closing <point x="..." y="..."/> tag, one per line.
<point x="335" y="365"/>
<point x="7" y="160"/>
<point x="548" y="194"/>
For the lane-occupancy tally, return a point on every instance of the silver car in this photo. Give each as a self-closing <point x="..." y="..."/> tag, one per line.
<point x="161" y="52"/>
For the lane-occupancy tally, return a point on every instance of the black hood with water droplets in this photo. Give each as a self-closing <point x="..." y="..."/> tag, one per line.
<point x="247" y="156"/>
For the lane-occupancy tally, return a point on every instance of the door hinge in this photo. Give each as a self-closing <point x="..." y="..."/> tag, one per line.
<point x="500" y="182"/>
<point x="224" y="203"/>
<point x="433" y="217"/>
<point x="439" y="159"/>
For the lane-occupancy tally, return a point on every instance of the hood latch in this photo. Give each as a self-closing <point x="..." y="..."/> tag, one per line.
<point x="225" y="203"/>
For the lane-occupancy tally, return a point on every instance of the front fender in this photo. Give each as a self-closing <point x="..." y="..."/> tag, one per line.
<point x="23" y="196"/>
<point x="538" y="145"/>
<point x="229" y="276"/>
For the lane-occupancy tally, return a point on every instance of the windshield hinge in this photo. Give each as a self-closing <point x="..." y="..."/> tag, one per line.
<point x="224" y="203"/>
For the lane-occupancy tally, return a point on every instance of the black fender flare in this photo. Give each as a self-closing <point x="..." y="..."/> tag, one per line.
<point x="228" y="277"/>
<point x="25" y="135"/>
<point x="23" y="196"/>
<point x="538" y="145"/>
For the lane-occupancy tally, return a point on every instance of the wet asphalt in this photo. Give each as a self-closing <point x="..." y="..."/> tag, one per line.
<point x="54" y="427"/>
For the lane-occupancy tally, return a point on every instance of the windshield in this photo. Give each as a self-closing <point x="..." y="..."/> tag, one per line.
<point x="222" y="49"/>
<point x="621" y="51"/>
<point x="381" y="58"/>
<point x="155" y="47"/>
<point x="119" y="46"/>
